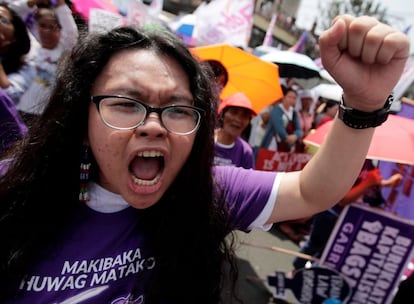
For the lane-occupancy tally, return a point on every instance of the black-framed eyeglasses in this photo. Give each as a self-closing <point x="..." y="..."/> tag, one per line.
<point x="125" y="113"/>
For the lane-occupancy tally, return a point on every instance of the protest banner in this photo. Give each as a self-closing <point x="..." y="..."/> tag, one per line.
<point x="224" y="21"/>
<point x="137" y="13"/>
<point x="103" y="21"/>
<point x="268" y="160"/>
<point x="371" y="248"/>
<point x="399" y="199"/>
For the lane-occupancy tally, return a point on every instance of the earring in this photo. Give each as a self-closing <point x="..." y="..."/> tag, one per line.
<point x="84" y="176"/>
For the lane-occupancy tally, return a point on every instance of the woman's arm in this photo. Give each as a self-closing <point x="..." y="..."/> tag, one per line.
<point x="276" y="119"/>
<point x="19" y="82"/>
<point x="4" y="80"/>
<point x="298" y="125"/>
<point x="366" y="58"/>
<point x="272" y="126"/>
<point x="69" y="28"/>
<point x="25" y="7"/>
<point x="373" y="178"/>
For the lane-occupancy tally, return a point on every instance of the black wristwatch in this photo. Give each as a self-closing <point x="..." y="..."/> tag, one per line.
<point x="357" y="119"/>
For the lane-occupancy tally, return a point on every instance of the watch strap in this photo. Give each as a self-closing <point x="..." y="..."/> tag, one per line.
<point x="357" y="119"/>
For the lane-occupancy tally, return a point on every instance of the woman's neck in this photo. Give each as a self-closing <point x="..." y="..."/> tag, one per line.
<point x="285" y="107"/>
<point x="223" y="137"/>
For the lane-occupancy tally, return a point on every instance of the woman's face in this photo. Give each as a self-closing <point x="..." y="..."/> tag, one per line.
<point x="289" y="100"/>
<point x="306" y="103"/>
<point x="140" y="164"/>
<point x="49" y="32"/>
<point x="235" y="120"/>
<point x="6" y="30"/>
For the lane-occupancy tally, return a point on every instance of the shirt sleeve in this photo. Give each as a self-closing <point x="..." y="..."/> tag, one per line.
<point x="20" y="81"/>
<point x="4" y="166"/>
<point x="250" y="195"/>
<point x="20" y="7"/>
<point x="298" y="130"/>
<point x="261" y="221"/>
<point x="69" y="28"/>
<point x="247" y="153"/>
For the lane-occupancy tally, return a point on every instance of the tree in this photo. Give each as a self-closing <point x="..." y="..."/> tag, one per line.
<point x="352" y="7"/>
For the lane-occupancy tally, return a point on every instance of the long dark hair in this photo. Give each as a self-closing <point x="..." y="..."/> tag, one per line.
<point x="188" y="227"/>
<point x="13" y="57"/>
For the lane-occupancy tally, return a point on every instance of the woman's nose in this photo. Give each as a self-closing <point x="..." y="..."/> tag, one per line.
<point x="152" y="126"/>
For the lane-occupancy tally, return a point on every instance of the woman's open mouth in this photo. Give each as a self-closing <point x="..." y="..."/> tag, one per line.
<point x="146" y="168"/>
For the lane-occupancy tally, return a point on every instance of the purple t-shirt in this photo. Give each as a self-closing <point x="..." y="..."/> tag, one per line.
<point x="103" y="253"/>
<point x="12" y="126"/>
<point x="240" y="154"/>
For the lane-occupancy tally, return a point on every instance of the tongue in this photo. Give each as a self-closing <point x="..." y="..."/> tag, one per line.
<point x="145" y="168"/>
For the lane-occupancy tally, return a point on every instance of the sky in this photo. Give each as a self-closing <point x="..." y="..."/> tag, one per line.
<point x="400" y="12"/>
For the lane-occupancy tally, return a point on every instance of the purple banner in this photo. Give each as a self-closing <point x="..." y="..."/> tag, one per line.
<point x="399" y="199"/>
<point x="371" y="248"/>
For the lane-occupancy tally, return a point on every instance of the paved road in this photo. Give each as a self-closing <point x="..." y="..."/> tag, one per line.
<point x="257" y="263"/>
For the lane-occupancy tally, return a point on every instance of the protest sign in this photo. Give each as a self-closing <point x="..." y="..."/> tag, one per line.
<point x="315" y="285"/>
<point x="399" y="198"/>
<point x="269" y="160"/>
<point x="102" y="21"/>
<point x="224" y="21"/>
<point x="371" y="248"/>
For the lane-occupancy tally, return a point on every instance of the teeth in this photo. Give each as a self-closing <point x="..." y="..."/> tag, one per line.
<point x="143" y="182"/>
<point x="151" y="153"/>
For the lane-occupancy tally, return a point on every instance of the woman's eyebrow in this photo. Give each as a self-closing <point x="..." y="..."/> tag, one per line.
<point x="181" y="98"/>
<point x="136" y="93"/>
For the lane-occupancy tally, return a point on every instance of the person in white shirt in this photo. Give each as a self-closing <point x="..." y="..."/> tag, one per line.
<point x="56" y="32"/>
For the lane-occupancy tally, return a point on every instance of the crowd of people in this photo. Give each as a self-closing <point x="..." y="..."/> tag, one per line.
<point x="280" y="126"/>
<point x="114" y="188"/>
<point x="36" y="33"/>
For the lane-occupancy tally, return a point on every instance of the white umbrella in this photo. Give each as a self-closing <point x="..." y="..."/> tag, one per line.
<point x="334" y="92"/>
<point x="325" y="75"/>
<point x="328" y="90"/>
<point x="264" y="49"/>
<point x="291" y="64"/>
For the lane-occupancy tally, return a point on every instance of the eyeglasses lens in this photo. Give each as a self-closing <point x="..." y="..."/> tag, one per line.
<point x="124" y="113"/>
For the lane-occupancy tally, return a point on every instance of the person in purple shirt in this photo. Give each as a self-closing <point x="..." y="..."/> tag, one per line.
<point x="112" y="197"/>
<point x="12" y="126"/>
<point x="15" y="46"/>
<point x="235" y="113"/>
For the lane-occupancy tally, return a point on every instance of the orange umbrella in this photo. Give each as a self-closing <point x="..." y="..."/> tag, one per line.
<point x="249" y="74"/>
<point x="393" y="141"/>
